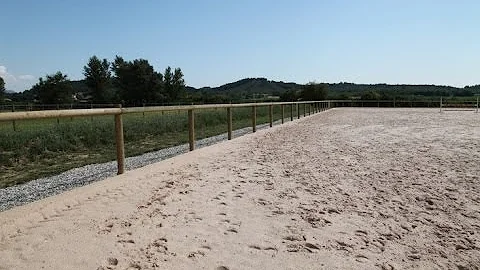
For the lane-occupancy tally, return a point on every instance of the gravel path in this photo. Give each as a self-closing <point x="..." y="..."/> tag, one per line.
<point x="49" y="186"/>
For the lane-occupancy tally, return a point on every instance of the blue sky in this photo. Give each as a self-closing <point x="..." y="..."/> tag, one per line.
<point x="219" y="41"/>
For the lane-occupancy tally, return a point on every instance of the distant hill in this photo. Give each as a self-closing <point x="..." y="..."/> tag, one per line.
<point x="246" y="87"/>
<point x="400" y="90"/>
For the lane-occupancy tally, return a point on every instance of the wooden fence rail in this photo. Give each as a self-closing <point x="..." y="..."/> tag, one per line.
<point x="118" y="112"/>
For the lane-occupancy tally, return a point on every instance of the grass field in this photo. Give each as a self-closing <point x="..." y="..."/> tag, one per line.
<point x="45" y="147"/>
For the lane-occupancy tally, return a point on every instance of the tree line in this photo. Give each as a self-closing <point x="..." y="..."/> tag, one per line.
<point x="400" y="91"/>
<point x="2" y="89"/>
<point x="135" y="83"/>
<point x="130" y="83"/>
<point x="308" y="92"/>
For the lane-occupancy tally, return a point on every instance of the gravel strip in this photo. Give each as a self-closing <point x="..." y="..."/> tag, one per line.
<point x="49" y="186"/>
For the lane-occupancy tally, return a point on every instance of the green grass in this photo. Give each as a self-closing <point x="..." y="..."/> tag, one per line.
<point x="45" y="147"/>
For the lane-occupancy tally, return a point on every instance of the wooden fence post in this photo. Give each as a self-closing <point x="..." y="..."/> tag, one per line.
<point x="14" y="123"/>
<point x="191" y="129"/>
<point x="58" y="119"/>
<point x="291" y="112"/>
<point x="254" y="118"/>
<point x="298" y="111"/>
<point x="304" y="109"/>
<point x="229" y="121"/>
<point x="120" y="143"/>
<point x="283" y="112"/>
<point x="477" y="106"/>
<point x="270" y="114"/>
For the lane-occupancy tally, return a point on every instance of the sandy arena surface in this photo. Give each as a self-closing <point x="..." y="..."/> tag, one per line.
<point x="343" y="189"/>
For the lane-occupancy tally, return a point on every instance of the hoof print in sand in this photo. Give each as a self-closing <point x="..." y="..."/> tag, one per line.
<point x="112" y="261"/>
<point x="361" y="258"/>
<point x="232" y="230"/>
<point x="107" y="229"/>
<point x="311" y="246"/>
<point x="196" y="254"/>
<point x="134" y="266"/>
<point x="199" y="253"/>
<point x="297" y="244"/>
<point x="262" y="248"/>
<point x="294" y="238"/>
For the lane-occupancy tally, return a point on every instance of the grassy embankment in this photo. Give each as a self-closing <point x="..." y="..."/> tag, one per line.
<point x="46" y="147"/>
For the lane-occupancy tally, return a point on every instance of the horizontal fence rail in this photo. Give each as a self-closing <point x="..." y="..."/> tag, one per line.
<point x="308" y="107"/>
<point x="472" y="103"/>
<point x="27" y="115"/>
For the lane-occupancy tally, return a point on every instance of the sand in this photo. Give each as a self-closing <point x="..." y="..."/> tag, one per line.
<point x="343" y="189"/>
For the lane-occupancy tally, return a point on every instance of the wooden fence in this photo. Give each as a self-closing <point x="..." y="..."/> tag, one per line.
<point x="469" y="102"/>
<point x="309" y="107"/>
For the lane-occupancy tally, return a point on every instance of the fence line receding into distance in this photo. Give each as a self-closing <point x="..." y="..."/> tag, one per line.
<point x="309" y="107"/>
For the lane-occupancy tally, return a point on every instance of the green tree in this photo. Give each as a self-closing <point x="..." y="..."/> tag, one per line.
<point x="97" y="78"/>
<point x="54" y="89"/>
<point x="2" y="90"/>
<point x="174" y="84"/>
<point x="168" y="83"/>
<point x="370" y="95"/>
<point x="178" y="85"/>
<point x="314" y="91"/>
<point x="137" y="81"/>
<point x="289" y="95"/>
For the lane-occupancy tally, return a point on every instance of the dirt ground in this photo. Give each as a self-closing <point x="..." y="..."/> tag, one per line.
<point x="344" y="189"/>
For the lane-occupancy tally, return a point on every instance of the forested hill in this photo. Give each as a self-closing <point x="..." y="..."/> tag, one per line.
<point x="246" y="87"/>
<point x="249" y="87"/>
<point x="388" y="91"/>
